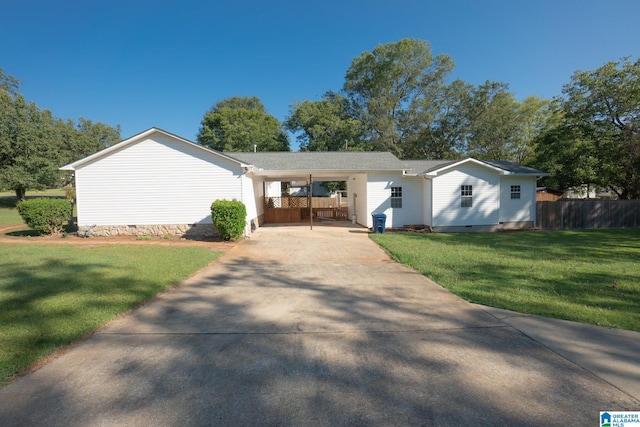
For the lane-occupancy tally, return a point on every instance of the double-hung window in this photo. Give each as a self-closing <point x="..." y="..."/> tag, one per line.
<point x="515" y="192"/>
<point x="396" y="197"/>
<point x="466" y="196"/>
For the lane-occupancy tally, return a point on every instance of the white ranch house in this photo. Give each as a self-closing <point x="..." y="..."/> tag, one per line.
<point x="159" y="183"/>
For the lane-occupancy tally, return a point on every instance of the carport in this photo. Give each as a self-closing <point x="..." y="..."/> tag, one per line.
<point x="355" y="168"/>
<point x="281" y="206"/>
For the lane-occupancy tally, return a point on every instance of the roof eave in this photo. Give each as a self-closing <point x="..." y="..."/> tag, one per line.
<point x="78" y="163"/>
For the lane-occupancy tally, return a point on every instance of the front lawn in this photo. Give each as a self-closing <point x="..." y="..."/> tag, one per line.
<point x="586" y="276"/>
<point x="51" y="295"/>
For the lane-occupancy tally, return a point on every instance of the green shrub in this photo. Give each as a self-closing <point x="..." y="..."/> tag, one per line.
<point x="229" y="218"/>
<point x="45" y="215"/>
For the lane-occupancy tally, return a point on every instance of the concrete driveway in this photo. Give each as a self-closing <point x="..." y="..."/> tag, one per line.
<point x="300" y="327"/>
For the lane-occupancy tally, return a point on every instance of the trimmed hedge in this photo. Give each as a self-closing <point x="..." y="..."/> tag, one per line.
<point x="229" y="217"/>
<point x="45" y="215"/>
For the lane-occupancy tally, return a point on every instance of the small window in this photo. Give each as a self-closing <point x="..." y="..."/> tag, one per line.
<point x="396" y="197"/>
<point x="466" y="196"/>
<point x="515" y="192"/>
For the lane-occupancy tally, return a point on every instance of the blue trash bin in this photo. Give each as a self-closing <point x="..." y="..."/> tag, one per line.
<point x="379" y="222"/>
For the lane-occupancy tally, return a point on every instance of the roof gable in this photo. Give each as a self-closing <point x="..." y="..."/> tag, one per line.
<point x="135" y="139"/>
<point x="501" y="167"/>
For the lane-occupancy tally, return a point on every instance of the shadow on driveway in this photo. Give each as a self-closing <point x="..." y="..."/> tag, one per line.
<point x="299" y="327"/>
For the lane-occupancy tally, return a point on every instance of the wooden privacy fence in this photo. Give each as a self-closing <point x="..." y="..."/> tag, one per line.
<point x="287" y="209"/>
<point x="588" y="214"/>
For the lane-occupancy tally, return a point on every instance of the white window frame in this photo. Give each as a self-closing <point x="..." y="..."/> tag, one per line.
<point x="396" y="197"/>
<point x="466" y="196"/>
<point x="516" y="192"/>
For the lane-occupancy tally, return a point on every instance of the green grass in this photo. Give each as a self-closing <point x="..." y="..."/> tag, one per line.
<point x="8" y="212"/>
<point x="584" y="276"/>
<point x="51" y="295"/>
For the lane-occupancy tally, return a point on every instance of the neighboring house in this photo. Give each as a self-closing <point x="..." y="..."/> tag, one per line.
<point x="159" y="183"/>
<point x="544" y="194"/>
<point x="588" y="191"/>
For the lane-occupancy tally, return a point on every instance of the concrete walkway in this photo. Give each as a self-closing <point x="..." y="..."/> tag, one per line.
<point x="300" y="327"/>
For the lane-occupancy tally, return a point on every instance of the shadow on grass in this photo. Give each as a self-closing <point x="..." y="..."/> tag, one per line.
<point x="585" y="276"/>
<point x="28" y="232"/>
<point x="8" y="202"/>
<point x="24" y="233"/>
<point x="49" y="301"/>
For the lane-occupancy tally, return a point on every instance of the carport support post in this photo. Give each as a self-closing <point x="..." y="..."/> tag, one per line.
<point x="310" y="202"/>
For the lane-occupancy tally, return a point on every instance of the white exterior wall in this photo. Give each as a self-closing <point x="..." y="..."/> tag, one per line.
<point x="249" y="199"/>
<point x="379" y="198"/>
<point x="357" y="185"/>
<point x="486" y="196"/>
<point x="427" y="186"/>
<point x="516" y="210"/>
<point x="158" y="180"/>
<point x="258" y="191"/>
<point x="274" y="188"/>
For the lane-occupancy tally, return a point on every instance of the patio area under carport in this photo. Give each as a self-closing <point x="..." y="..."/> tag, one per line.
<point x="280" y="206"/>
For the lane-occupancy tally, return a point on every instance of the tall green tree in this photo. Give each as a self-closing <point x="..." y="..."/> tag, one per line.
<point x="329" y="124"/>
<point x="28" y="158"/>
<point x="570" y="157"/>
<point x="395" y="87"/>
<point x="34" y="143"/>
<point x="484" y="121"/>
<point x="493" y="122"/>
<point x="534" y="114"/>
<point x="445" y="136"/>
<point x="600" y="128"/>
<point x="86" y="137"/>
<point x="239" y="123"/>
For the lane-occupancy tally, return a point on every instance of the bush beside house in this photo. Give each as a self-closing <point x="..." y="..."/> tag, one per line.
<point x="229" y="218"/>
<point x="46" y="215"/>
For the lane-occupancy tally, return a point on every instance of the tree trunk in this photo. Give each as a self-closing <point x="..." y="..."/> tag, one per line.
<point x="21" y="194"/>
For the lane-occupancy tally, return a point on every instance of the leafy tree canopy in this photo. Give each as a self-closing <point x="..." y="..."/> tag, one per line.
<point x="326" y="125"/>
<point x="9" y="83"/>
<point x="239" y="123"/>
<point x="394" y="88"/>
<point x="34" y="143"/>
<point x="396" y="98"/>
<point x="601" y="124"/>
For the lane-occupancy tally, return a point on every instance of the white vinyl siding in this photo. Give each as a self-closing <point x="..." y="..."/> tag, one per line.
<point x="258" y="191"/>
<point x="447" y="192"/>
<point x="249" y="197"/>
<point x="379" y="198"/>
<point x="159" y="180"/>
<point x="357" y="193"/>
<point x="522" y="209"/>
<point x="428" y="202"/>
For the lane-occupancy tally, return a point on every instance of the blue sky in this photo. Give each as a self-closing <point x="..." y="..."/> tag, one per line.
<point x="164" y="63"/>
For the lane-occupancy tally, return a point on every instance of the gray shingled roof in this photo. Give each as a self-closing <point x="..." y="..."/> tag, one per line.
<point x="514" y="167"/>
<point x="422" y="166"/>
<point x="357" y="161"/>
<point x="319" y="160"/>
